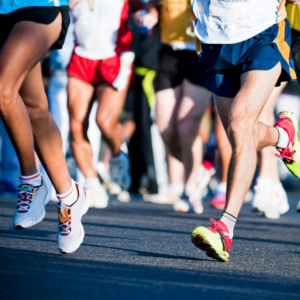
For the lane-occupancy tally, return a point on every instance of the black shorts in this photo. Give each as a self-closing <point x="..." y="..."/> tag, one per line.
<point x="43" y="15"/>
<point x="176" y="65"/>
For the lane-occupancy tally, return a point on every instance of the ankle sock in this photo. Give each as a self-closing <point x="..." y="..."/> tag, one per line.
<point x="34" y="180"/>
<point x="283" y="138"/>
<point x="229" y="221"/>
<point x="68" y="197"/>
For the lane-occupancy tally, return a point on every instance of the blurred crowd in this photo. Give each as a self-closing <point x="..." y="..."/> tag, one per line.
<point x="129" y="80"/>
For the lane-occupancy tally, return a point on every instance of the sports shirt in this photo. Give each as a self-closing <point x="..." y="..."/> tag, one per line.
<point x="101" y="28"/>
<point x="8" y="6"/>
<point x="233" y="21"/>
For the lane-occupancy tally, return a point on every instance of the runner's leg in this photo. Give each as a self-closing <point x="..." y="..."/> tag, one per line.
<point x="80" y="94"/>
<point x="167" y="105"/>
<point x="110" y="105"/>
<point x="246" y="134"/>
<point x="192" y="107"/>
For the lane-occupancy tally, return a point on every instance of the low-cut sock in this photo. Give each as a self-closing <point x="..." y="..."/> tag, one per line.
<point x="69" y="197"/>
<point x="34" y="179"/>
<point x="283" y="138"/>
<point x="229" y="221"/>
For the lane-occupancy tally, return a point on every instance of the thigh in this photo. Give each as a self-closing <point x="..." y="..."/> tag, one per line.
<point x="26" y="44"/>
<point x="110" y="102"/>
<point x="256" y="88"/>
<point x="194" y="102"/>
<point x="167" y="104"/>
<point x="80" y="95"/>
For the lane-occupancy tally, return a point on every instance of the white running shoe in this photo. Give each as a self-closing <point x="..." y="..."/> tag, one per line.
<point x="71" y="233"/>
<point x="280" y="199"/>
<point x="30" y="205"/>
<point x="262" y="194"/>
<point x="98" y="194"/>
<point x="192" y="203"/>
<point x="119" y="173"/>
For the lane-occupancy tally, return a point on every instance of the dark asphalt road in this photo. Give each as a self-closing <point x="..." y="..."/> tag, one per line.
<point x="143" y="251"/>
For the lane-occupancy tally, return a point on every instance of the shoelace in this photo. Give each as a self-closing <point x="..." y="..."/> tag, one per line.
<point x="215" y="224"/>
<point x="65" y="213"/>
<point x="286" y="154"/>
<point x="25" y="196"/>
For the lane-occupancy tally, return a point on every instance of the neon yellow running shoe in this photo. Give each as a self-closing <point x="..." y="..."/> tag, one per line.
<point x="291" y="154"/>
<point x="213" y="240"/>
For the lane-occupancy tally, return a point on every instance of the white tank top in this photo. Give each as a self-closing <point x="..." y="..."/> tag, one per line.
<point x="96" y="27"/>
<point x="233" y="21"/>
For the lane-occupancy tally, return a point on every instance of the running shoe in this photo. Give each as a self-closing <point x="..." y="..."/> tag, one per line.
<point x="70" y="230"/>
<point x="291" y="154"/>
<point x="262" y="194"/>
<point x="213" y="240"/>
<point x="189" y="204"/>
<point x="30" y="205"/>
<point x="119" y="173"/>
<point x="98" y="194"/>
<point x="280" y="198"/>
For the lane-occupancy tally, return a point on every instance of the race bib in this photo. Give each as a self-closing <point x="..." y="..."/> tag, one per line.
<point x="230" y="9"/>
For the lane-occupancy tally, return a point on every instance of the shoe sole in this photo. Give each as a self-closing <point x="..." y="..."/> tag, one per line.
<point x="203" y="242"/>
<point x="75" y="246"/>
<point x="40" y="219"/>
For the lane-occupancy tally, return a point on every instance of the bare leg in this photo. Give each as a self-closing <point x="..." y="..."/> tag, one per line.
<point x="110" y="106"/>
<point x="224" y="147"/>
<point x="47" y="138"/>
<point x="27" y="43"/>
<point x="167" y="105"/>
<point x="246" y="134"/>
<point x="268" y="161"/>
<point x="192" y="107"/>
<point x="176" y="170"/>
<point x="80" y="96"/>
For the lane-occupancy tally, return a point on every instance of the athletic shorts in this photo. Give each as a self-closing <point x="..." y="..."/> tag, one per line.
<point x="110" y="70"/>
<point x="296" y="51"/>
<point x="176" y="65"/>
<point x="43" y="15"/>
<point x="222" y="65"/>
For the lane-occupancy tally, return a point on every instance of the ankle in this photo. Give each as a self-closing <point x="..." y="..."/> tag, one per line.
<point x="70" y="196"/>
<point x="34" y="179"/>
<point x="229" y="220"/>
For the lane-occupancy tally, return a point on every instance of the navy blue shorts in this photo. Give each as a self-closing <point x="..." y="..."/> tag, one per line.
<point x="222" y="65"/>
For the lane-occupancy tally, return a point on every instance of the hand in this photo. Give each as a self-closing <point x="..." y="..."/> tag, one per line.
<point x="149" y="20"/>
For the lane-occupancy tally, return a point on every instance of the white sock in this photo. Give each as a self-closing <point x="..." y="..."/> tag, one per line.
<point x="177" y="188"/>
<point x="222" y="187"/>
<point x="263" y="181"/>
<point x="229" y="221"/>
<point x="283" y="139"/>
<point x="34" y="180"/>
<point x="68" y="197"/>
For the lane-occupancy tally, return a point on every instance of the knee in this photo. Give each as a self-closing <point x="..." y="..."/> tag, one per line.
<point x="105" y="125"/>
<point x="7" y="97"/>
<point x="239" y="129"/>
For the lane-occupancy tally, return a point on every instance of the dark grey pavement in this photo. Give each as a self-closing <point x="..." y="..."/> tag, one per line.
<point x="143" y="251"/>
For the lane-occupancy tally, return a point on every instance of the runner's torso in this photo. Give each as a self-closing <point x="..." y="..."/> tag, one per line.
<point x="8" y="6"/>
<point x="98" y="28"/>
<point x="233" y="21"/>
